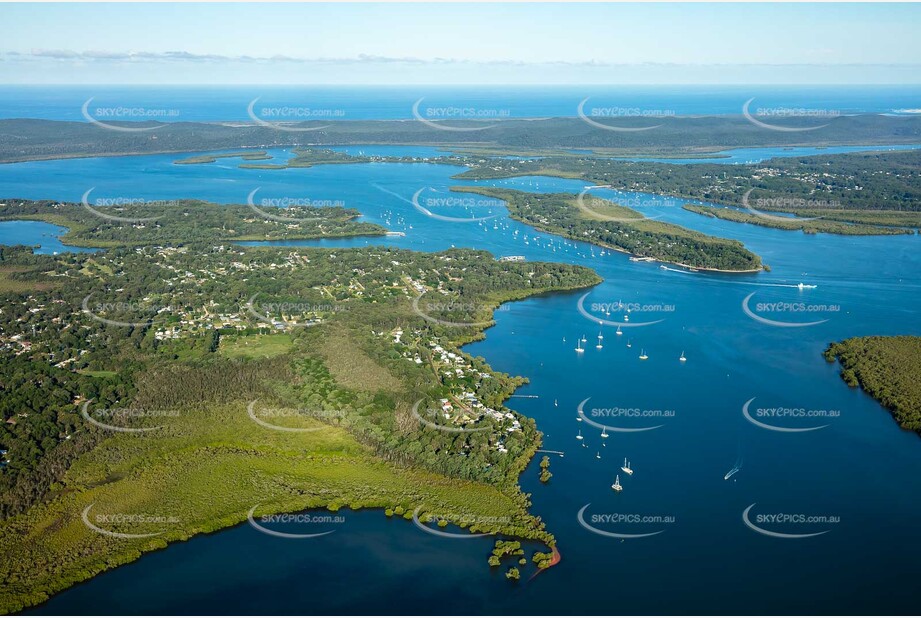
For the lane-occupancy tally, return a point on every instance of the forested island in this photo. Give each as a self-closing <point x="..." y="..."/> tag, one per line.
<point x="622" y="229"/>
<point x="888" y="369"/>
<point x="309" y="157"/>
<point x="805" y="225"/>
<point x="163" y="380"/>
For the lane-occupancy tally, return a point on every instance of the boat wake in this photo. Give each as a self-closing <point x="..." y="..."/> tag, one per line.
<point x="736" y="468"/>
<point x="678" y="270"/>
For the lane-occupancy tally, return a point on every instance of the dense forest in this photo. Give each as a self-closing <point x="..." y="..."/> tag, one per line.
<point x="888" y="369"/>
<point x="559" y="213"/>
<point x="26" y="139"/>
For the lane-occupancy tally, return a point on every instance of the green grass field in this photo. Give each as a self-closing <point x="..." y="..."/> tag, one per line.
<point x="255" y="346"/>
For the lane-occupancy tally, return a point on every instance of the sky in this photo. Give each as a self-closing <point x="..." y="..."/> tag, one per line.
<point x="351" y="43"/>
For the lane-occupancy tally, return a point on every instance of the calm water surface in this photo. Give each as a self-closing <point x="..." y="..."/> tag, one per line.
<point x="858" y="472"/>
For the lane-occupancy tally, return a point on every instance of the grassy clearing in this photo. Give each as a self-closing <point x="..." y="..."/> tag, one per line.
<point x="351" y="366"/>
<point x="98" y="374"/>
<point x="8" y="282"/>
<point x="255" y="346"/>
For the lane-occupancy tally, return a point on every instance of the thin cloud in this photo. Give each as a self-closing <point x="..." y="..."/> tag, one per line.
<point x="180" y="56"/>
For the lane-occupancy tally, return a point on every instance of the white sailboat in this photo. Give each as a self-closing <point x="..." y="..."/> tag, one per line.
<point x="626" y="467"/>
<point x="643" y="355"/>
<point x="579" y="435"/>
<point x="618" y="332"/>
<point x="629" y="345"/>
<point x="604" y="432"/>
<point x="682" y="358"/>
<point x="598" y="455"/>
<point x="617" y="486"/>
<point x="579" y="347"/>
<point x="599" y="346"/>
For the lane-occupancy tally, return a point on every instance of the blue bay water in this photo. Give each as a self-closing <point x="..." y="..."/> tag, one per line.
<point x="757" y="155"/>
<point x="43" y="237"/>
<point x="860" y="468"/>
<point x="188" y="104"/>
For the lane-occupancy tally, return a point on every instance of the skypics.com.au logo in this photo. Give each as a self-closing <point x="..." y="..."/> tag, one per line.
<point x="785" y="419"/>
<point x="318" y="524"/>
<point x="296" y="205"/>
<point x="103" y="116"/>
<point x="435" y="116"/>
<point x="121" y="203"/>
<point x="464" y="520"/>
<point x="290" y="117"/>
<point x="773" y="113"/>
<point x="623" y="526"/>
<point x="759" y="311"/>
<point x="787" y="525"/>
<point x="102" y="523"/>
<point x="632" y="314"/>
<point x="280" y="419"/>
<point x="595" y="114"/>
<point x="469" y="205"/>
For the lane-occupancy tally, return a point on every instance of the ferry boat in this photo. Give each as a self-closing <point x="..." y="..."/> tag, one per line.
<point x="626" y="467"/>
<point x="803" y="286"/>
<point x="617" y="486"/>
